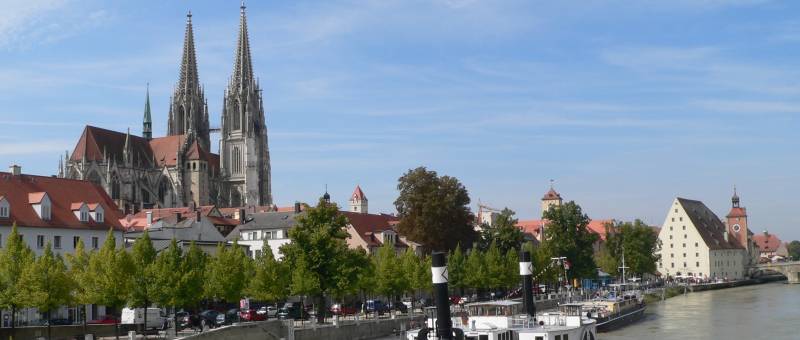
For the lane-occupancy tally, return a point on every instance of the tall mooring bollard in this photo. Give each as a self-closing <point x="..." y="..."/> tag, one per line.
<point x="444" y="328"/>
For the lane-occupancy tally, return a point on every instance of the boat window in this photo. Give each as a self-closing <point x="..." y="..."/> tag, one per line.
<point x="566" y="336"/>
<point x="539" y="338"/>
<point x="558" y="337"/>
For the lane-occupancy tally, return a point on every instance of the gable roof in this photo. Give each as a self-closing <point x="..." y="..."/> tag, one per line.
<point x="185" y="230"/>
<point x="737" y="212"/>
<point x="767" y="242"/>
<point x="138" y="221"/>
<point x="22" y="190"/>
<point x="534" y="227"/>
<point x="265" y="221"/>
<point x="367" y="225"/>
<point x="551" y="195"/>
<point x="710" y="227"/>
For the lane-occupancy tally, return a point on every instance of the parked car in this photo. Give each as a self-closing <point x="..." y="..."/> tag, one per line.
<point x="231" y="316"/>
<point x="182" y="320"/>
<point x="208" y="318"/>
<point x="343" y="309"/>
<point x="268" y="311"/>
<point x="292" y="310"/>
<point x="375" y="306"/>
<point x="251" y="315"/>
<point x="136" y="316"/>
<point x="105" y="319"/>
<point x="398" y="306"/>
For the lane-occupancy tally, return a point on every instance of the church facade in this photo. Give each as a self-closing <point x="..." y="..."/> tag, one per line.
<point x="179" y="169"/>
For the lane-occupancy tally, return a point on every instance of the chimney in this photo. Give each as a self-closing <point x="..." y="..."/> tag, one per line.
<point x="297" y="207"/>
<point x="197" y="215"/>
<point x="177" y="216"/>
<point x="15" y="170"/>
<point x="439" y="277"/>
<point x="148" y="219"/>
<point x="526" y="271"/>
<point x="242" y="215"/>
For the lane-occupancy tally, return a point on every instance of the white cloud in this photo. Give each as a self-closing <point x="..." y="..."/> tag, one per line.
<point x="24" y="23"/>
<point x="32" y="148"/>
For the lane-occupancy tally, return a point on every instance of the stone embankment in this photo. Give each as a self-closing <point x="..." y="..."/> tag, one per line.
<point x="284" y="330"/>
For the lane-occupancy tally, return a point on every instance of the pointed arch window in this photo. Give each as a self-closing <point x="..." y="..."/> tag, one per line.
<point x="115" y="188"/>
<point x="181" y="123"/>
<point x="237" y="116"/>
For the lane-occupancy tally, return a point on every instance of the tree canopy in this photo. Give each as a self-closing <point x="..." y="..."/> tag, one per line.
<point x="503" y="231"/>
<point x="227" y="274"/>
<point x="794" y="250"/>
<point x="566" y="235"/>
<point x="271" y="279"/>
<point x="14" y="258"/>
<point x="434" y="211"/>
<point x="638" y="241"/>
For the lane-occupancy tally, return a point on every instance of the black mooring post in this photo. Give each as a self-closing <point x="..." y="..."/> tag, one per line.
<point x="439" y="278"/>
<point x="526" y="271"/>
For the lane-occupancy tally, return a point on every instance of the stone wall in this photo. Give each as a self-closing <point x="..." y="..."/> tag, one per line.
<point x="63" y="332"/>
<point x="280" y="330"/>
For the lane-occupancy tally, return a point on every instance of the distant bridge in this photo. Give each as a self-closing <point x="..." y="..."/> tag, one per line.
<point x="790" y="269"/>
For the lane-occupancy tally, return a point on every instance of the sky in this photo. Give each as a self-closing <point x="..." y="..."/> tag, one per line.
<point x="625" y="105"/>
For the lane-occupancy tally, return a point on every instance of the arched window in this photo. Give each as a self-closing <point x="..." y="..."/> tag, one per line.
<point x="145" y="196"/>
<point x="181" y="121"/>
<point x="237" y="116"/>
<point x="237" y="160"/>
<point x="115" y="187"/>
<point x="163" y="191"/>
<point x="94" y="178"/>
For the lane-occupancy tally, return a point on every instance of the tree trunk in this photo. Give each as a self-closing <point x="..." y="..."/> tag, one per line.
<point x="116" y="327"/>
<point x="144" y="329"/>
<point x="13" y="321"/>
<point x="320" y="309"/>
<point x="84" y="320"/>
<point x="48" y="324"/>
<point x="175" y="319"/>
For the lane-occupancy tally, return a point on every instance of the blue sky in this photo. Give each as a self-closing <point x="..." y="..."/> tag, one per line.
<point x="625" y="104"/>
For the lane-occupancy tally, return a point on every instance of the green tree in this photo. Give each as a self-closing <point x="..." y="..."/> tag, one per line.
<point x="511" y="276"/>
<point x="14" y="258"/>
<point x="434" y="211"/>
<point x="495" y="267"/>
<point x="503" y="231"/>
<point x="566" y="235"/>
<point x="227" y="274"/>
<point x="794" y="250"/>
<point x="389" y="275"/>
<point x="413" y="269"/>
<point x="456" y="268"/>
<point x="144" y="285"/>
<point x="78" y="265"/>
<point x="271" y="279"/>
<point x="316" y="253"/>
<point x="605" y="261"/>
<point x="168" y="274"/>
<point x="45" y="283"/>
<point x="193" y="271"/>
<point x="355" y="267"/>
<point x="476" y="275"/>
<point x="640" y="244"/>
<point x="110" y="269"/>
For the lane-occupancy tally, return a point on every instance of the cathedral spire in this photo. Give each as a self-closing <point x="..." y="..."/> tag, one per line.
<point x="242" y="67"/>
<point x="147" y="122"/>
<point x="189" y="79"/>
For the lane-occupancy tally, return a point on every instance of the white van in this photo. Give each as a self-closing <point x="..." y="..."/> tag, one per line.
<point x="155" y="318"/>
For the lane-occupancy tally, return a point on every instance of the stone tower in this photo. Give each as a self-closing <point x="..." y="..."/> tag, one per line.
<point x="358" y="201"/>
<point x="737" y="221"/>
<point x="188" y="111"/>
<point x="147" y="122"/>
<point x="551" y="198"/>
<point x="244" y="152"/>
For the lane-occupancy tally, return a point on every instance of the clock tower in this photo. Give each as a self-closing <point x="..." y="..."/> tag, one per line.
<point x="737" y="221"/>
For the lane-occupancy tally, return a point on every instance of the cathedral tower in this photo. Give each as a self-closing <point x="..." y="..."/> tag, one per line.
<point x="188" y="111"/>
<point x="147" y="122"/>
<point x="244" y="152"/>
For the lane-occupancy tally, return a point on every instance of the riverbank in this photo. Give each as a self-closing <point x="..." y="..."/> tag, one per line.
<point x="666" y="293"/>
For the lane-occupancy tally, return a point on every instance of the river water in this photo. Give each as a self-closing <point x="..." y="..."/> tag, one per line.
<point x="768" y="311"/>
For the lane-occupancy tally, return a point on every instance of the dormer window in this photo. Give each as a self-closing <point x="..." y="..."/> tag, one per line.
<point x="96" y="212"/>
<point x="40" y="202"/>
<point x="388" y="236"/>
<point x="5" y="208"/>
<point x="81" y="211"/>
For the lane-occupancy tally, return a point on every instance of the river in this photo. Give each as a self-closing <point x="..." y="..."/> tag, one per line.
<point x="768" y="311"/>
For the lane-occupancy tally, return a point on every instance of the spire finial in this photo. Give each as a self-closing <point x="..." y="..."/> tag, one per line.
<point x="189" y="16"/>
<point x="243" y="7"/>
<point x="551" y="183"/>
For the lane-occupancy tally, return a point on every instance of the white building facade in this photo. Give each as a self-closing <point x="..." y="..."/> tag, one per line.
<point x="696" y="243"/>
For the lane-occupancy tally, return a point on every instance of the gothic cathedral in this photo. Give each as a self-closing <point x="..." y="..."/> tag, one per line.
<point x="179" y="169"/>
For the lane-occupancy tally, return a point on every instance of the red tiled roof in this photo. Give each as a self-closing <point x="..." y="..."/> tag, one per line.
<point x="95" y="141"/>
<point x="165" y="149"/>
<point x="533" y="227"/>
<point x="767" y="243"/>
<point x="139" y="220"/>
<point x="551" y="195"/>
<point x="196" y="152"/>
<point x="367" y="225"/>
<point x="35" y="197"/>
<point x="75" y="206"/>
<point x="21" y="190"/>
<point x="358" y="194"/>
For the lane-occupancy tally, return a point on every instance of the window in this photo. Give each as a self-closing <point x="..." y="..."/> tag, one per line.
<point x="684" y="254"/>
<point x="558" y="337"/>
<point x="670" y="228"/>
<point x="95" y="242"/>
<point x="673" y="219"/>
<point x="698" y="264"/>
<point x="99" y="216"/>
<point x="46" y="210"/>
<point x="566" y="336"/>
<point x="676" y="210"/>
<point x="673" y="264"/>
<point x="75" y="240"/>
<point x="671" y="255"/>
<point x="684" y="245"/>
<point x="681" y="219"/>
<point x="670" y="237"/>
<point x="696" y="254"/>
<point x="695" y="244"/>
<point x="684" y="265"/>
<point x="685" y="236"/>
<point x="670" y="245"/>
<point x="684" y="227"/>
<point x="57" y="242"/>
<point x="258" y="253"/>
<point x="268" y="235"/>
<point x="40" y="241"/>
<point x="4" y="208"/>
<point x="84" y="215"/>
